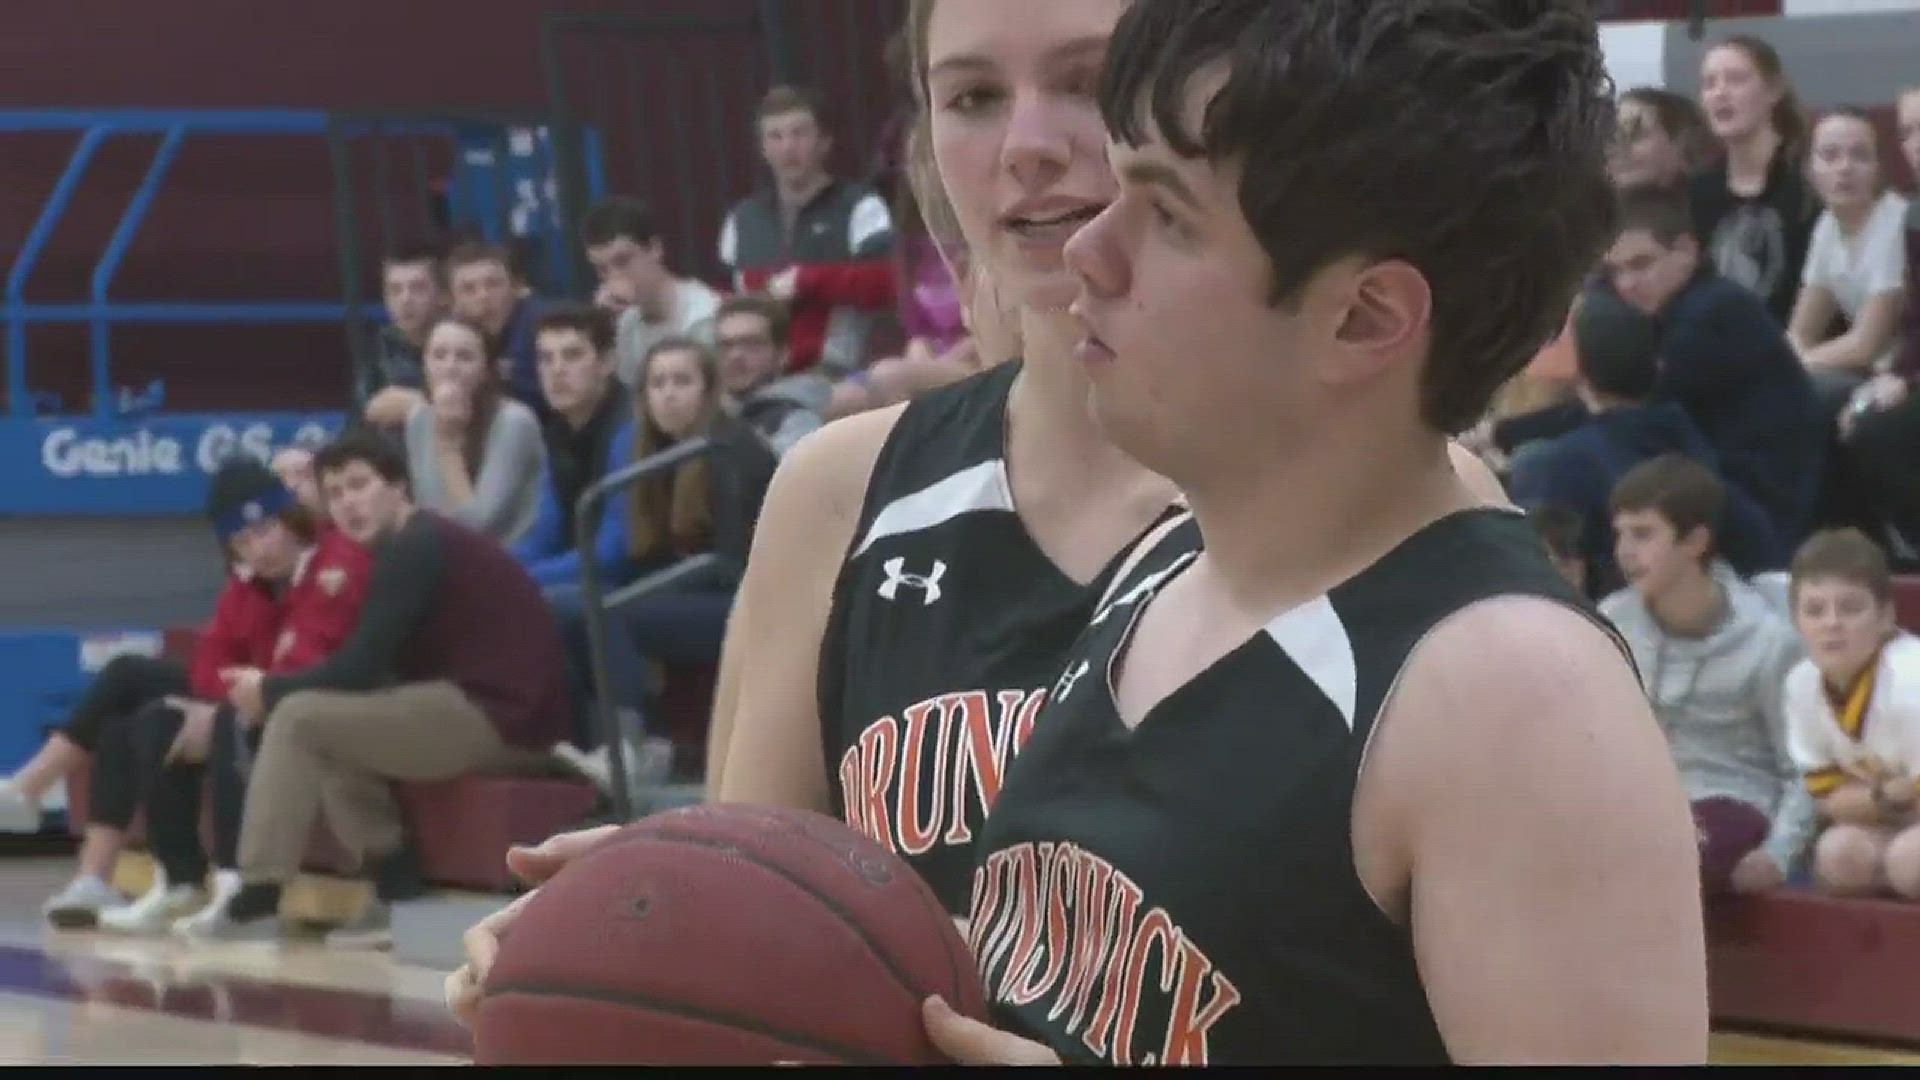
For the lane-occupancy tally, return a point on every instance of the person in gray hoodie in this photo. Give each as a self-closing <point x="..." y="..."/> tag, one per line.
<point x="750" y="334"/>
<point x="1713" y="654"/>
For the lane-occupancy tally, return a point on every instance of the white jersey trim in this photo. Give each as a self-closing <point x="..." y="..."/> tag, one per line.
<point x="1316" y="639"/>
<point x="982" y="487"/>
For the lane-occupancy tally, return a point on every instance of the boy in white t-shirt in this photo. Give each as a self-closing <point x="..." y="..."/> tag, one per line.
<point x="1853" y="717"/>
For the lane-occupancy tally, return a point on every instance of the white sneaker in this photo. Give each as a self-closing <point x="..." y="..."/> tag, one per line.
<point x="226" y="883"/>
<point x="18" y="814"/>
<point x="78" y="906"/>
<point x="155" y="912"/>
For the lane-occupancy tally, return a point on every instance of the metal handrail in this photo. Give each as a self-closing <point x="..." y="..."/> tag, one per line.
<point x="595" y="605"/>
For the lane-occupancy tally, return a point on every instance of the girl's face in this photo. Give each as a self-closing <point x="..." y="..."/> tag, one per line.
<point x="1845" y="163"/>
<point x="676" y="392"/>
<point x="456" y="357"/>
<point x="1737" y="97"/>
<point x="1643" y="151"/>
<point x="1017" y="134"/>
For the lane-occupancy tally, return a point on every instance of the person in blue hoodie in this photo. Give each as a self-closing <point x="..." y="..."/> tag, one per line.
<point x="1619" y="363"/>
<point x="1723" y="359"/>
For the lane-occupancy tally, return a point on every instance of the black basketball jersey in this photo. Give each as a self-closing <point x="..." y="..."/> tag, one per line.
<point x="948" y="626"/>
<point x="1184" y="892"/>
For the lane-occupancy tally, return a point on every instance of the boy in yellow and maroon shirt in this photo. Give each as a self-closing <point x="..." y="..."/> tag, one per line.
<point x="1853" y="717"/>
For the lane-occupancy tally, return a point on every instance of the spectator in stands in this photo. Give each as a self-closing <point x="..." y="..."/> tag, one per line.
<point x="181" y="746"/>
<point x="1619" y="358"/>
<point x="413" y="285"/>
<point x="454" y="665"/>
<point x="488" y="293"/>
<point x="266" y="536"/>
<point x="1713" y="654"/>
<point x="706" y="506"/>
<point x="476" y="455"/>
<point x="294" y="467"/>
<point x="823" y="245"/>
<point x="753" y="343"/>
<point x="1663" y="139"/>
<point x="589" y="406"/>
<point x="1560" y="530"/>
<point x="1853" y="710"/>
<point x="1882" y="423"/>
<point x="1856" y="264"/>
<point x="1724" y="360"/>
<point x="1754" y="209"/>
<point x="652" y="303"/>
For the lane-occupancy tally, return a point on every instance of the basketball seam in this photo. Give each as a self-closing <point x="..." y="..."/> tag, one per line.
<point x="849" y="1055"/>
<point x="846" y="917"/>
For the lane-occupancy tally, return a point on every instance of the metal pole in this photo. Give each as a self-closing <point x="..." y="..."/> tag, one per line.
<point x="572" y="270"/>
<point x="593" y="596"/>
<point x="19" y="397"/>
<point x="116" y="252"/>
<point x="346" y="226"/>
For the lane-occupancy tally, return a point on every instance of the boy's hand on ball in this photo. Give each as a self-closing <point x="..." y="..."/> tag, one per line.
<point x="970" y="1042"/>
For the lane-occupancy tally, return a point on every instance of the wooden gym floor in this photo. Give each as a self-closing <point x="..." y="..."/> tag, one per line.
<point x="92" y="998"/>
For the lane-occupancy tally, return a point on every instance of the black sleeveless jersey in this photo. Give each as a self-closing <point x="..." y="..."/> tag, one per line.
<point x="1184" y="892"/>
<point x="948" y="626"/>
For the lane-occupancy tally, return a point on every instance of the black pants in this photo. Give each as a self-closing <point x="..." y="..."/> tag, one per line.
<point x="1883" y="460"/>
<point x="171" y="792"/>
<point x="102" y="724"/>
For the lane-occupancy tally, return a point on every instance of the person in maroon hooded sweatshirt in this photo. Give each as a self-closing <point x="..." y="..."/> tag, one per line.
<point x="455" y="665"/>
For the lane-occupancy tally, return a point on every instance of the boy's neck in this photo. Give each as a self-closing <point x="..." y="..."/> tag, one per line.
<point x="1692" y="608"/>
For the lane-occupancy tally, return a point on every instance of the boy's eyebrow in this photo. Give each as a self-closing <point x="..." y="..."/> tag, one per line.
<point x="1157" y="174"/>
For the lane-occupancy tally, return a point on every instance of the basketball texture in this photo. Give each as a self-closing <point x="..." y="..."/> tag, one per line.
<point x="726" y="935"/>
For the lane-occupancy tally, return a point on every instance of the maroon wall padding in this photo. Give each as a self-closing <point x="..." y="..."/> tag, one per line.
<point x="1805" y="962"/>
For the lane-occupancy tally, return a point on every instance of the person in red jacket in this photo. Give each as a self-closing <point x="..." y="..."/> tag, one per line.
<point x="269" y="540"/>
<point x="181" y="748"/>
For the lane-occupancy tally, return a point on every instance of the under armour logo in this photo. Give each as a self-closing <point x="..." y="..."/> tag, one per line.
<point x="1068" y="678"/>
<point x="897" y="576"/>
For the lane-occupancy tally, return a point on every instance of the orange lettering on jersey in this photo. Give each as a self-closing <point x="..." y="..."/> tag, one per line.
<point x="878" y="748"/>
<point x="913" y="784"/>
<point x="979" y="756"/>
<point x="1055" y="884"/>
<point x="1154" y="929"/>
<point x="1092" y="938"/>
<point x="1052" y="923"/>
<point x="1033" y="863"/>
<point x="1023" y="727"/>
<point x="919" y="830"/>
<point x="1126" y="906"/>
<point x="1187" y="1032"/>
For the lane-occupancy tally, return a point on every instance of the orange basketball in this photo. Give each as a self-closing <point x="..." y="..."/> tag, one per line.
<point x="724" y="935"/>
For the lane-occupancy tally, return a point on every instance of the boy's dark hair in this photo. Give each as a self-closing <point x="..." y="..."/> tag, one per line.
<point x="1677" y="488"/>
<point x="617" y="217"/>
<point x="1560" y="528"/>
<point x="1847" y="554"/>
<point x="782" y="100"/>
<point x="1468" y="137"/>
<point x="1660" y="210"/>
<point x="414" y="255"/>
<point x="479" y="251"/>
<point x="363" y="444"/>
<point x="766" y="307"/>
<point x="592" y="323"/>
<point x="1616" y="347"/>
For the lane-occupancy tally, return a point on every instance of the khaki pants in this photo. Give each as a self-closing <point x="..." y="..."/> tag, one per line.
<point x="342" y="751"/>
